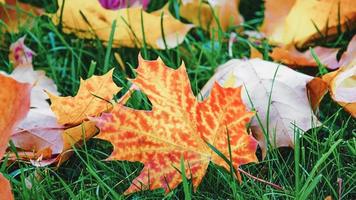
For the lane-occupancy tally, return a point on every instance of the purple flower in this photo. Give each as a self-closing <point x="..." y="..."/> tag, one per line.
<point x="119" y="4"/>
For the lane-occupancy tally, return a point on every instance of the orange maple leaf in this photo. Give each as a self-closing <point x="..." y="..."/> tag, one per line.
<point x="177" y="126"/>
<point x="93" y="97"/>
<point x="14" y="105"/>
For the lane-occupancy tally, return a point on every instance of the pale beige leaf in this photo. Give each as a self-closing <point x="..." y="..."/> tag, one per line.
<point x="289" y="108"/>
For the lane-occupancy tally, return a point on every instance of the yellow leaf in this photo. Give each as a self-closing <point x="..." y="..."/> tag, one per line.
<point x="87" y="19"/>
<point x="94" y="97"/>
<point x="298" y="21"/>
<point x="202" y="14"/>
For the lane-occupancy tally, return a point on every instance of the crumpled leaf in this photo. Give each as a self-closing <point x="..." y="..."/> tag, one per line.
<point x="202" y="14"/>
<point x="14" y="105"/>
<point x="15" y="14"/>
<point x="295" y="59"/>
<point x="94" y="97"/>
<point x="342" y="87"/>
<point x="342" y="83"/>
<point x="39" y="138"/>
<point x="177" y="126"/>
<point x="300" y="22"/>
<point x="87" y="19"/>
<point x="119" y="4"/>
<point x="289" y="106"/>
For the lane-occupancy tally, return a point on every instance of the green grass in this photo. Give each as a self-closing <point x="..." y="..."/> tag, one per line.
<point x="310" y="171"/>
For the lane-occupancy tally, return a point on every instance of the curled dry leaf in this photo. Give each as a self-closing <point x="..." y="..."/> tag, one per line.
<point x="300" y="22"/>
<point x="88" y="19"/>
<point x="16" y="14"/>
<point x="177" y="126"/>
<point x="202" y="14"/>
<point x="289" y="107"/>
<point x="14" y="105"/>
<point x="342" y="87"/>
<point x="342" y="83"/>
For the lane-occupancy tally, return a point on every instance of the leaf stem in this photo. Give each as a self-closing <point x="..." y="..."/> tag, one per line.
<point x="260" y="180"/>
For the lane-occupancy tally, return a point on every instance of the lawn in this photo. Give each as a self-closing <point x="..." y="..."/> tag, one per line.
<point x="321" y="164"/>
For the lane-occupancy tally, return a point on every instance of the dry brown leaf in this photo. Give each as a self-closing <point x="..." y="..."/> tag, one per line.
<point x="202" y="14"/>
<point x="289" y="108"/>
<point x="88" y="19"/>
<point x="295" y="21"/>
<point x="15" y="14"/>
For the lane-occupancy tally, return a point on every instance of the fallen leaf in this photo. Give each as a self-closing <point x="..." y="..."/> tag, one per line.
<point x="177" y="126"/>
<point x="300" y="22"/>
<point x="16" y="14"/>
<point x="254" y="53"/>
<point x="88" y="19"/>
<point x="342" y="87"/>
<point x="317" y="88"/>
<point x="94" y="97"/>
<point x="295" y="59"/>
<point x="288" y="108"/>
<point x="348" y="58"/>
<point x="44" y="146"/>
<point x="20" y="55"/>
<point x="202" y="14"/>
<point x="5" y="189"/>
<point x="342" y="83"/>
<point x="328" y="198"/>
<point x="14" y="105"/>
<point x="39" y="138"/>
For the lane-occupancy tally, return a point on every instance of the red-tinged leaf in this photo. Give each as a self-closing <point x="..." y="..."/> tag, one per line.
<point x="5" y="189"/>
<point x="178" y="125"/>
<point x="14" y="105"/>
